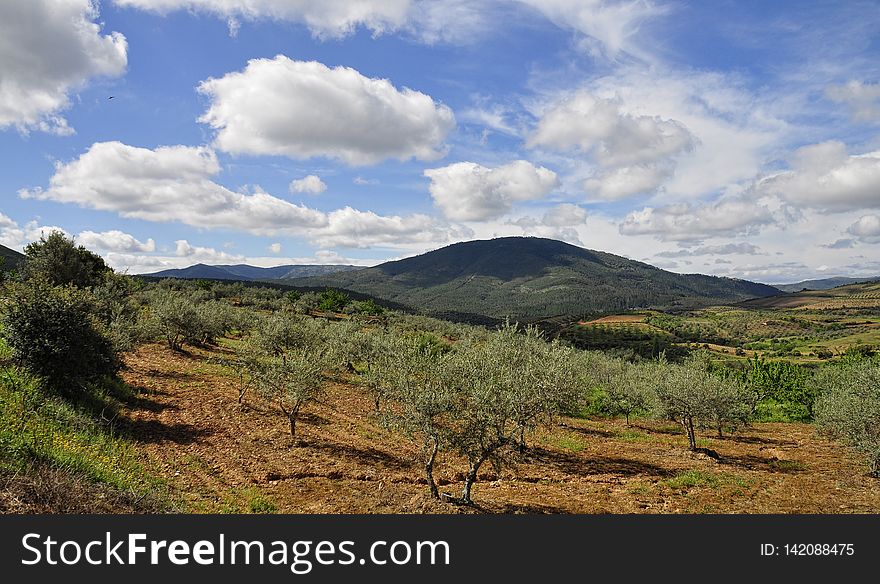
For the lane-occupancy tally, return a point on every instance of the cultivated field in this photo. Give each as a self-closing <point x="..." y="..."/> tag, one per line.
<point x="218" y="456"/>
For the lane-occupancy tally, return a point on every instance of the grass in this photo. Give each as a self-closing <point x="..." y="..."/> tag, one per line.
<point x="631" y="436"/>
<point x="568" y="442"/>
<point x="693" y="478"/>
<point x="46" y="431"/>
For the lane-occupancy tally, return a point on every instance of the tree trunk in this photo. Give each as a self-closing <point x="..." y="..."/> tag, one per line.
<point x="720" y="434"/>
<point x="689" y="427"/>
<point x="470" y="478"/>
<point x="627" y="418"/>
<point x="429" y="467"/>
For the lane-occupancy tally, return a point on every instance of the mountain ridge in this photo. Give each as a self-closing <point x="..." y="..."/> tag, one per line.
<point x="531" y="277"/>
<point x="247" y="273"/>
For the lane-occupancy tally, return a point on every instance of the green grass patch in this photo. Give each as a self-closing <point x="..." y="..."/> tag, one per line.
<point x="631" y="435"/>
<point x="693" y="478"/>
<point x="568" y="442"/>
<point x="38" y="428"/>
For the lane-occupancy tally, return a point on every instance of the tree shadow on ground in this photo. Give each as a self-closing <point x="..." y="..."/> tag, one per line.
<point x="576" y="465"/>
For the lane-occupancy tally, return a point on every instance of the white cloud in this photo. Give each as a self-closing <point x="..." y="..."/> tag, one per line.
<point x="275" y="248"/>
<point x="49" y="48"/>
<point x="174" y="183"/>
<point x="361" y="181"/>
<point x="325" y="19"/>
<point x="863" y="99"/>
<point x="559" y="222"/>
<point x="303" y="109"/>
<point x="311" y="184"/>
<point x="722" y="249"/>
<point x="616" y="138"/>
<point x="684" y="222"/>
<point x="866" y="229"/>
<point x="114" y="240"/>
<point x="351" y="228"/>
<point x="170" y="183"/>
<point x="16" y="237"/>
<point x="466" y="191"/>
<point x="613" y="25"/>
<point x="209" y="255"/>
<point x="565" y="215"/>
<point x="825" y="176"/>
<point x="626" y="181"/>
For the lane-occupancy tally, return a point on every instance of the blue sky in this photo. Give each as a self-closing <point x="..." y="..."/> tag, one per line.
<point x="731" y="138"/>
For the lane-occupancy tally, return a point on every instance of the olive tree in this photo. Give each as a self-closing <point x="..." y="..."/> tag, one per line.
<point x="504" y="387"/>
<point x="693" y="395"/>
<point x="632" y="390"/>
<point x="425" y="394"/>
<point x="849" y="406"/>
<point x="291" y="380"/>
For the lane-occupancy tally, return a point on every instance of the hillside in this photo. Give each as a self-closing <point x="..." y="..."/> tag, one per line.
<point x="865" y="295"/>
<point x="529" y="277"/>
<point x="11" y="258"/>
<point x="823" y="284"/>
<point x="244" y="272"/>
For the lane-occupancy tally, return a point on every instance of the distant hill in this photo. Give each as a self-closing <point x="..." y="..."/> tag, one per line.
<point x="243" y="272"/>
<point x="11" y="258"/>
<point x="863" y="295"/>
<point x="529" y="277"/>
<point x="823" y="284"/>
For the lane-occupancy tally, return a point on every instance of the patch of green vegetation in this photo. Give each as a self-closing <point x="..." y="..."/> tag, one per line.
<point x="631" y="436"/>
<point x="568" y="442"/>
<point x="788" y="465"/>
<point x="693" y="478"/>
<point x="36" y="427"/>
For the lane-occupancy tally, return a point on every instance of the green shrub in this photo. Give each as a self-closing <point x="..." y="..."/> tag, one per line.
<point x="54" y="332"/>
<point x="849" y="406"/>
<point x="57" y="259"/>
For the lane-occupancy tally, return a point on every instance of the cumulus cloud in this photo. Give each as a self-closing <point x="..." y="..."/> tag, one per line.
<point x="686" y="222"/>
<point x="311" y="184"/>
<point x="16" y="236"/>
<point x="466" y="191"/>
<point x="49" y="48"/>
<point x="617" y="138"/>
<point x="175" y="183"/>
<point x="863" y="99"/>
<point x="559" y="222"/>
<point x="183" y="249"/>
<point x="636" y="153"/>
<point x="170" y="183"/>
<point x="304" y="109"/>
<point x="825" y="176"/>
<point x="351" y="228"/>
<point x="611" y="25"/>
<point x="866" y="229"/>
<point x="620" y="183"/>
<point x="724" y="249"/>
<point x="114" y="240"/>
<point x="274" y="248"/>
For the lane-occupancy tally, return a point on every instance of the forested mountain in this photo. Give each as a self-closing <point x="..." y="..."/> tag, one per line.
<point x="529" y="277"/>
<point x="823" y="284"/>
<point x="244" y="272"/>
<point x="11" y="258"/>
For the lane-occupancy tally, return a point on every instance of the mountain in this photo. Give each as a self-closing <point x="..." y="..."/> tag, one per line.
<point x="823" y="284"/>
<point x="529" y="277"/>
<point x="244" y="272"/>
<point x="11" y="258"/>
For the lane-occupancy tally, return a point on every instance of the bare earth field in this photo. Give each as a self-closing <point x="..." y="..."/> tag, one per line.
<point x="219" y="457"/>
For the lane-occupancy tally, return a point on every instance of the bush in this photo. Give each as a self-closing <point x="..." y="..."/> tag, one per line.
<point x="54" y="332"/>
<point x="849" y="406"/>
<point x="176" y="319"/>
<point x="60" y="261"/>
<point x="331" y="300"/>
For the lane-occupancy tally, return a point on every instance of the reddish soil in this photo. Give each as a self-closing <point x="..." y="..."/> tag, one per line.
<point x="219" y="456"/>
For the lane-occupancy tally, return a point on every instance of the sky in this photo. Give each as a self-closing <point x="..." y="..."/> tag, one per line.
<point x="734" y="138"/>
